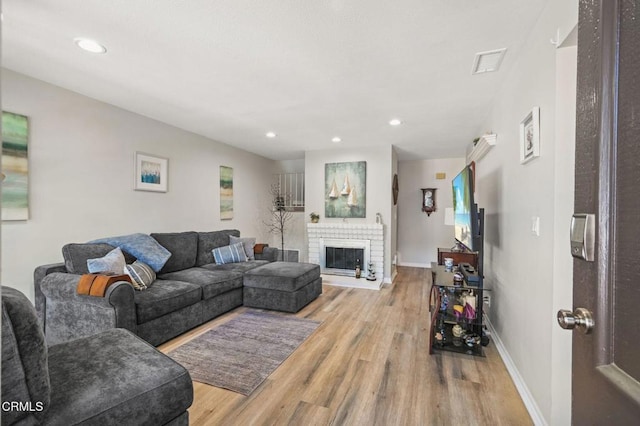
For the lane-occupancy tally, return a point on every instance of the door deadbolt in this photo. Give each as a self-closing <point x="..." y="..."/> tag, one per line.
<point x="581" y="319"/>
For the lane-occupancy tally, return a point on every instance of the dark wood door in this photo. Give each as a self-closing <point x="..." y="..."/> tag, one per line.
<point x="606" y="363"/>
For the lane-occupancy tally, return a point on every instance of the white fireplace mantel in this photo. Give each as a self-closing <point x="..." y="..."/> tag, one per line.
<point x="327" y="230"/>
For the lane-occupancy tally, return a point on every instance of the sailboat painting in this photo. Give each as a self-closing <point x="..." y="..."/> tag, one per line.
<point x="350" y="201"/>
<point x="333" y="193"/>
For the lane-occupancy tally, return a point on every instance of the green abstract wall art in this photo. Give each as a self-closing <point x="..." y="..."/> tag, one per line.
<point x="345" y="189"/>
<point x="226" y="193"/>
<point x="15" y="167"/>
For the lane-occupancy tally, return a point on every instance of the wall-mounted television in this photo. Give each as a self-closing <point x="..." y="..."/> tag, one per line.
<point x="465" y="213"/>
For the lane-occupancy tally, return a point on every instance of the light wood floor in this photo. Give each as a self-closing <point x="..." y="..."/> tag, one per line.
<point x="368" y="364"/>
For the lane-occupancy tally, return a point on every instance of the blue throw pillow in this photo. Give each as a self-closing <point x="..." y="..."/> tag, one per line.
<point x="111" y="263"/>
<point x="233" y="253"/>
<point x="142" y="246"/>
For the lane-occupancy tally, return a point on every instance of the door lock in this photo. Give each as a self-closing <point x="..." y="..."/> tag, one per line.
<point x="581" y="318"/>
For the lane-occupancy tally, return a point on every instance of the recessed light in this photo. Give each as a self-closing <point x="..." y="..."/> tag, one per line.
<point x="89" y="45"/>
<point x="395" y="122"/>
<point x="336" y="140"/>
<point x="271" y="135"/>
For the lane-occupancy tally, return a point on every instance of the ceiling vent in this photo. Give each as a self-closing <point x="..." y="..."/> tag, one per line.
<point x="488" y="61"/>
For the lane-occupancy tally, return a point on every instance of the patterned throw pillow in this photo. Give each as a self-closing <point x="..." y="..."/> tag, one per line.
<point x="111" y="263"/>
<point x="233" y="253"/>
<point x="248" y="242"/>
<point x="142" y="276"/>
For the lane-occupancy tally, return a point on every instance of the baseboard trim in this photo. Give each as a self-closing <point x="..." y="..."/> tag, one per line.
<point x="523" y="390"/>
<point x="415" y="265"/>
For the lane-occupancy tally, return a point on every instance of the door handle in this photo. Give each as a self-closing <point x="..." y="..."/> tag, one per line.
<point x="581" y="319"/>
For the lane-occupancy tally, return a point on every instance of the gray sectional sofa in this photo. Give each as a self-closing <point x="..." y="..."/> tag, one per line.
<point x="109" y="378"/>
<point x="190" y="290"/>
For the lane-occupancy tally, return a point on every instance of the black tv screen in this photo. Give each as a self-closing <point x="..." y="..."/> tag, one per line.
<point x="464" y="213"/>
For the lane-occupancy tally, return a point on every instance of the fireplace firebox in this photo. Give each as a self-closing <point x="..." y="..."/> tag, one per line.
<point x="339" y="256"/>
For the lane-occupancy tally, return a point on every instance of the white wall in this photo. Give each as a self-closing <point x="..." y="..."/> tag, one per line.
<point x="519" y="266"/>
<point x="379" y="178"/>
<point x="81" y="178"/>
<point x="419" y="235"/>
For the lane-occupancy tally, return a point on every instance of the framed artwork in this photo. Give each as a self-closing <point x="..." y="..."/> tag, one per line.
<point x="226" y="193"/>
<point x="15" y="166"/>
<point x="530" y="136"/>
<point x="345" y="189"/>
<point x="151" y="173"/>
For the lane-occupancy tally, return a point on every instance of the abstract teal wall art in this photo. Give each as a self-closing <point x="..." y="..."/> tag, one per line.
<point x="151" y="173"/>
<point x="345" y="189"/>
<point x="226" y="193"/>
<point x="15" y="167"/>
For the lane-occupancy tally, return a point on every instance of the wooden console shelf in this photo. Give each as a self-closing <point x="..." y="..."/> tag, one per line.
<point x="470" y="257"/>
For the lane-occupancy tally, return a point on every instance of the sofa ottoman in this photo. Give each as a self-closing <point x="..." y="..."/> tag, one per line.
<point x="282" y="286"/>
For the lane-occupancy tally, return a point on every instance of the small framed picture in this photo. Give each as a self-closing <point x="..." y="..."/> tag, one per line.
<point x="530" y="136"/>
<point x="151" y="173"/>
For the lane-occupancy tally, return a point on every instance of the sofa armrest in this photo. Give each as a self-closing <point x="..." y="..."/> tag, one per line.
<point x="69" y="315"/>
<point x="39" y="273"/>
<point x="268" y="253"/>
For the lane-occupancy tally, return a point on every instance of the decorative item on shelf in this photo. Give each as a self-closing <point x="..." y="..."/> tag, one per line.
<point x="456" y="330"/>
<point x="472" y="340"/>
<point x="315" y="217"/>
<point x="378" y="218"/>
<point x="371" y="273"/>
<point x="358" y="269"/>
<point x="448" y="264"/>
<point x="444" y="303"/>
<point x="429" y="200"/>
<point x="458" y="248"/>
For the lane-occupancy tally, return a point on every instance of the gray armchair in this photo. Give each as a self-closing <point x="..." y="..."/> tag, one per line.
<point x="109" y="378"/>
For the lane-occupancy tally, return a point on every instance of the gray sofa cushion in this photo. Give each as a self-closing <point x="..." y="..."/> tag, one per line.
<point x="283" y="276"/>
<point x="213" y="283"/>
<point x="25" y="371"/>
<point x="207" y="241"/>
<point x="76" y="255"/>
<point x="183" y="247"/>
<point x="115" y="378"/>
<point x="163" y="297"/>
<point x="236" y="267"/>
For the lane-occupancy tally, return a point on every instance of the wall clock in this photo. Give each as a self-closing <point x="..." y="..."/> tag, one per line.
<point x="428" y="200"/>
<point x="394" y="189"/>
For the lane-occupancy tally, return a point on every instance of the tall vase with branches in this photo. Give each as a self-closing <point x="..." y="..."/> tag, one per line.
<point x="280" y="217"/>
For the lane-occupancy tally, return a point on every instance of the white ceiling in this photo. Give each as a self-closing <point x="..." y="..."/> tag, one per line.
<point x="309" y="70"/>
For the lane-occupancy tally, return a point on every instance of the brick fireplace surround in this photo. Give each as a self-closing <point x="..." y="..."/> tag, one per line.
<point x="347" y="231"/>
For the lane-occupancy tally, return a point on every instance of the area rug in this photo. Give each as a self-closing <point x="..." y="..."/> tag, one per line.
<point x="240" y="354"/>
